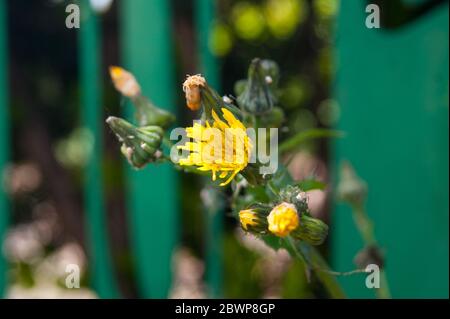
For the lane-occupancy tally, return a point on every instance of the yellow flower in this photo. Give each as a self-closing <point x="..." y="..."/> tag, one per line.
<point x="248" y="218"/>
<point x="283" y="219"/>
<point x="191" y="88"/>
<point x="221" y="147"/>
<point x="124" y="82"/>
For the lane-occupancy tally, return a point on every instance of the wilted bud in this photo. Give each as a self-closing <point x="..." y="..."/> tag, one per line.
<point x="200" y="94"/>
<point x="146" y="112"/>
<point x="258" y="96"/>
<point x="124" y="82"/>
<point x="311" y="230"/>
<point x="254" y="220"/>
<point x="140" y="145"/>
<point x="351" y="188"/>
<point x="191" y="88"/>
<point x="283" y="219"/>
<point x="369" y="255"/>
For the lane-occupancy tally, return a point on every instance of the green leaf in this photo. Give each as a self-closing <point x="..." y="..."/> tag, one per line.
<point x="311" y="184"/>
<point x="304" y="136"/>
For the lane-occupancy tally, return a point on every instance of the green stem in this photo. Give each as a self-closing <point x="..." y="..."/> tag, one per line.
<point x="321" y="269"/>
<point x="300" y="256"/>
<point x="272" y="188"/>
<point x="364" y="224"/>
<point x="383" y="292"/>
<point x="329" y="281"/>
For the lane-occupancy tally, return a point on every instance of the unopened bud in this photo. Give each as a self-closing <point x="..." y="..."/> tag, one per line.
<point x="351" y="188"/>
<point x="311" y="230"/>
<point x="140" y="145"/>
<point x="254" y="220"/>
<point x="124" y="82"/>
<point x="258" y="96"/>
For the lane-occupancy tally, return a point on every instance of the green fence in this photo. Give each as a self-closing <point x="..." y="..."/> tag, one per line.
<point x="392" y="87"/>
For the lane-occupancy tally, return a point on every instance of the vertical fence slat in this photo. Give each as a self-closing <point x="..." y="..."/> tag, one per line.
<point x="4" y="139"/>
<point x="152" y="193"/>
<point x="101" y="268"/>
<point x="392" y="88"/>
<point x="209" y="67"/>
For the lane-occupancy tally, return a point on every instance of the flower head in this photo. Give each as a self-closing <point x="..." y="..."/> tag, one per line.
<point x="222" y="147"/>
<point x="247" y="218"/>
<point x="283" y="219"/>
<point x="124" y="82"/>
<point x="253" y="220"/>
<point x="191" y="88"/>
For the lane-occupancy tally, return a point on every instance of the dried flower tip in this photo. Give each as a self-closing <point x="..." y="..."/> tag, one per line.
<point x="191" y="88"/>
<point x="124" y="82"/>
<point x="283" y="219"/>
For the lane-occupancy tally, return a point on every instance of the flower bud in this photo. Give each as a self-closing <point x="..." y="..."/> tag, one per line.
<point x="254" y="220"/>
<point x="370" y="254"/>
<point x="283" y="219"/>
<point x="124" y="82"/>
<point x="311" y="230"/>
<point x="351" y="188"/>
<point x="146" y="112"/>
<point x="191" y="88"/>
<point x="258" y="96"/>
<point x="200" y="95"/>
<point x="140" y="145"/>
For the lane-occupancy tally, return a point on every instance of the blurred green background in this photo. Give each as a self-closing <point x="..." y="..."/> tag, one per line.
<point x="68" y="196"/>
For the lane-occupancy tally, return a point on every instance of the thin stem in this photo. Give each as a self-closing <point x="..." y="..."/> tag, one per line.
<point x="322" y="270"/>
<point x="329" y="281"/>
<point x="272" y="188"/>
<point x="383" y="292"/>
<point x="363" y="224"/>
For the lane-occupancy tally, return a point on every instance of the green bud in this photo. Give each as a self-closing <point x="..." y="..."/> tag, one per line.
<point x="259" y="97"/>
<point x="140" y="145"/>
<point x="311" y="230"/>
<point x="294" y="195"/>
<point x="254" y="219"/>
<point x="351" y="188"/>
<point x="149" y="114"/>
